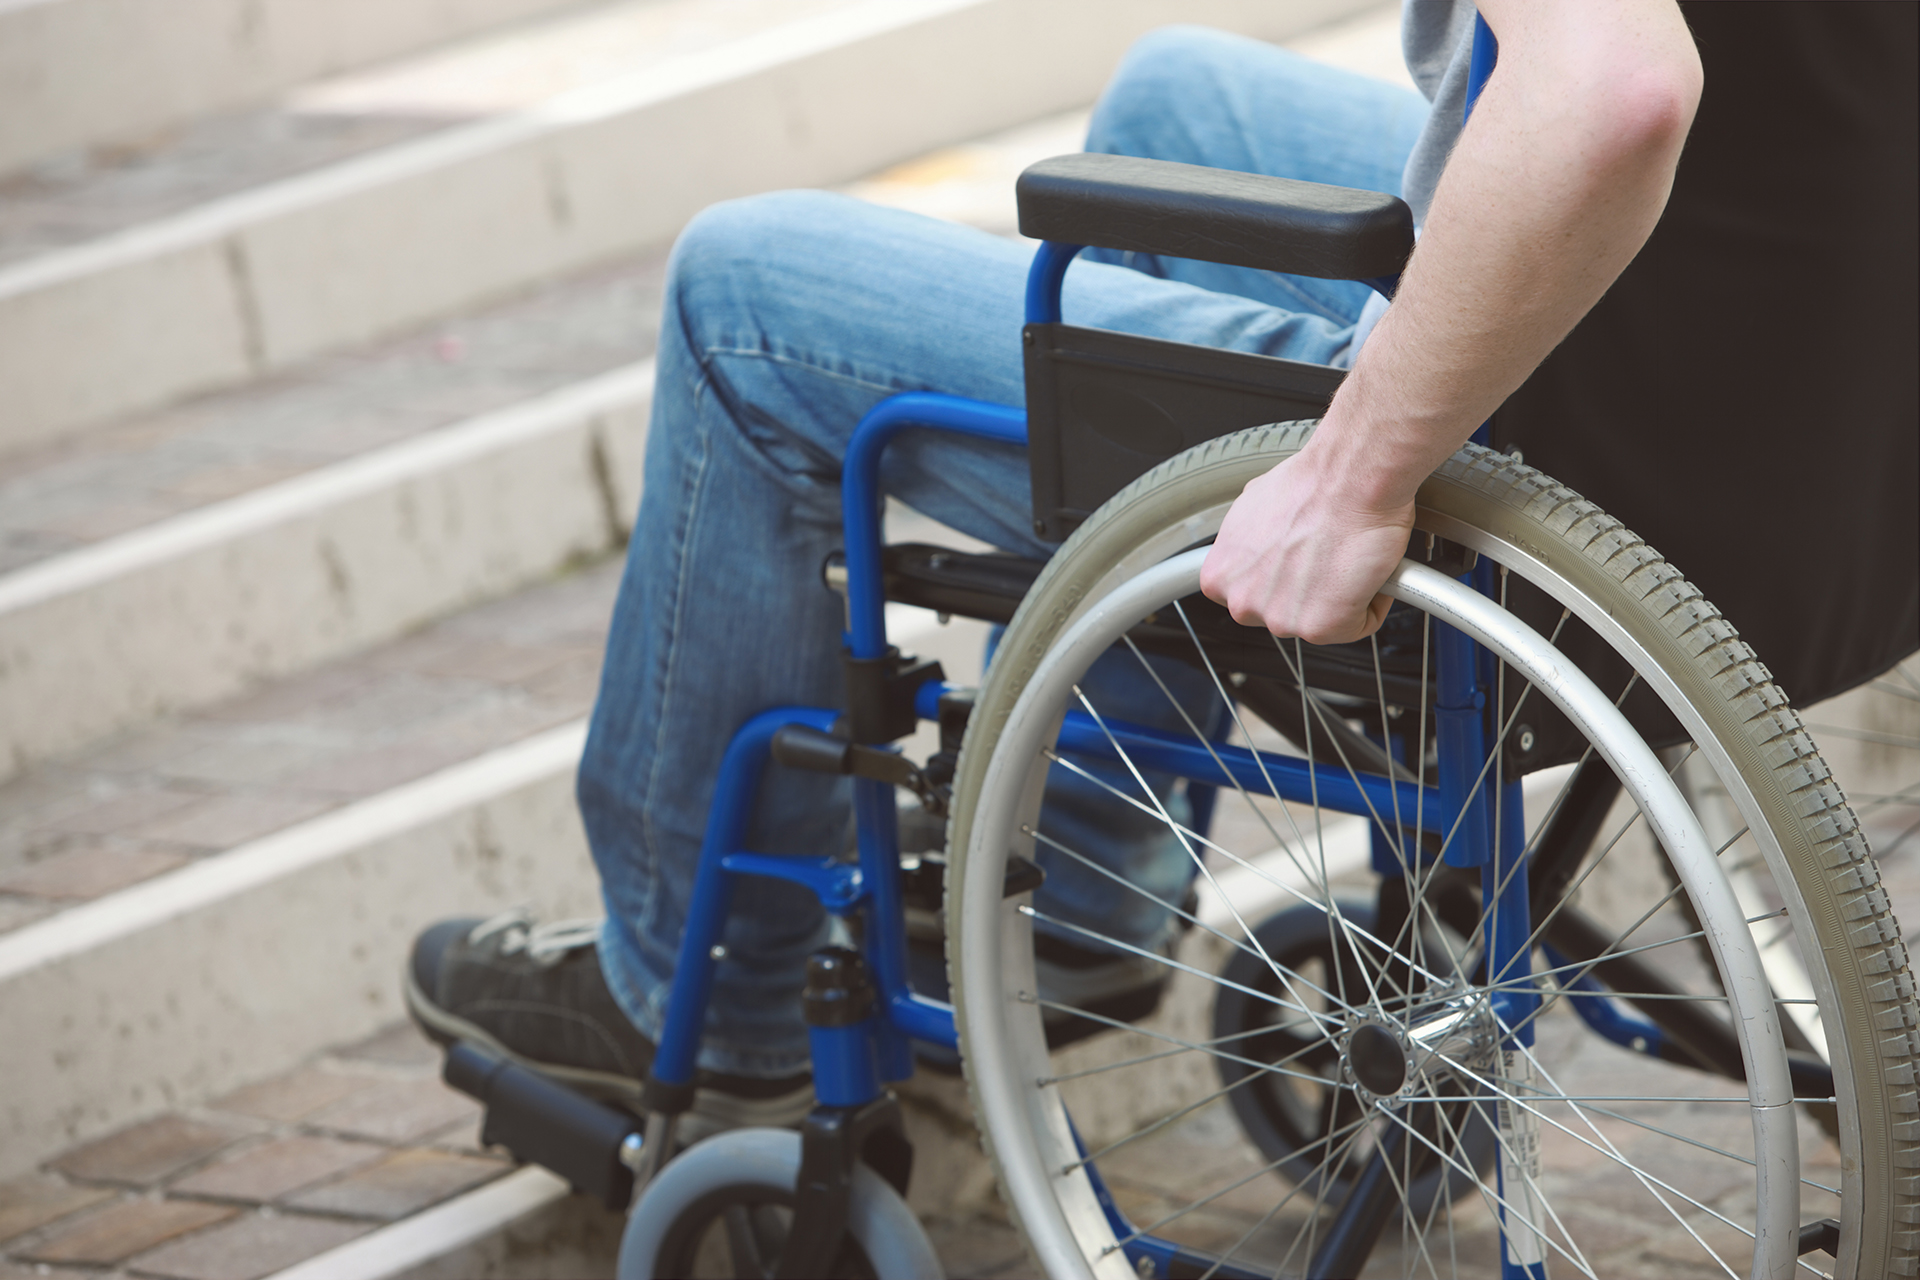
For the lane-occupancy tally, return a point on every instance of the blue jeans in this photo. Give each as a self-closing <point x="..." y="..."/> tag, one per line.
<point x="787" y="317"/>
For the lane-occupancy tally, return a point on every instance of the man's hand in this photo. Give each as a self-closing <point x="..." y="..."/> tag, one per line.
<point x="1296" y="556"/>
<point x="1551" y="190"/>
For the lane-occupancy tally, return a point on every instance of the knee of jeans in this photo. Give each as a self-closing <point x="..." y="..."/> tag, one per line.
<point x="724" y="249"/>
<point x="1160" y="72"/>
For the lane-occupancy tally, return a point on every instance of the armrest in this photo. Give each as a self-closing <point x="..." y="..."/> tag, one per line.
<point x="1215" y="215"/>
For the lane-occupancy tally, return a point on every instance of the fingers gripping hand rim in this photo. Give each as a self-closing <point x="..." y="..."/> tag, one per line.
<point x="1298" y="557"/>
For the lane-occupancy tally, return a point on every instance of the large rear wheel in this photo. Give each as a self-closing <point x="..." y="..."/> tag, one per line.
<point x="1634" y="1042"/>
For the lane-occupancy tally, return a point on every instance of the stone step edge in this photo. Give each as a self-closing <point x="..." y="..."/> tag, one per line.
<point x="247" y="962"/>
<point x="198" y="606"/>
<point x="518" y="1199"/>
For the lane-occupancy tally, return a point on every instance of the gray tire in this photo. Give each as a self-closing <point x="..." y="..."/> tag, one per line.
<point x="758" y="1167"/>
<point x="1837" y="917"/>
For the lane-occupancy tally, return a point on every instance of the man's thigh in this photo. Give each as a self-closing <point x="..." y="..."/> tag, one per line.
<point x="803" y="310"/>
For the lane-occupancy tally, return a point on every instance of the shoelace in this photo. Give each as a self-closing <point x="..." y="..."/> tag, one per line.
<point x="544" y="944"/>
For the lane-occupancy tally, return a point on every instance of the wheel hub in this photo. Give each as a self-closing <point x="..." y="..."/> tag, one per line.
<point x="1383" y="1058"/>
<point x="1377" y="1059"/>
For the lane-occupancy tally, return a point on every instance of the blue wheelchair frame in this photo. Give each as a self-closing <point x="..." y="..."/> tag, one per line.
<point x="1477" y="825"/>
<point x="853" y="1064"/>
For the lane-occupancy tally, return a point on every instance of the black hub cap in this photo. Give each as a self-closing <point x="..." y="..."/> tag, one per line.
<point x="1378" y="1061"/>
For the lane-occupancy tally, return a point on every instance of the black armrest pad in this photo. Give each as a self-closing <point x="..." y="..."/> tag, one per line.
<point x="1216" y="215"/>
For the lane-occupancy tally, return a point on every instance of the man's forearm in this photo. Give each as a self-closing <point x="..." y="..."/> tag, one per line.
<point x="1552" y="189"/>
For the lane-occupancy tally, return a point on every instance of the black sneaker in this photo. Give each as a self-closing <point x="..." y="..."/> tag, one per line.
<point x="535" y="994"/>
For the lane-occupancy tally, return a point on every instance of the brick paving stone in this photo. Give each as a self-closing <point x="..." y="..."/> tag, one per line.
<point x="277" y="1168"/>
<point x="146" y="1153"/>
<point x="398" y="1044"/>
<point x="378" y="768"/>
<point x="241" y="759"/>
<point x="462" y="1136"/>
<point x="36" y="1200"/>
<point x="403" y="1183"/>
<point x="247" y="1248"/>
<point x="395" y="1110"/>
<point x="290" y="697"/>
<point x="110" y="814"/>
<point x="16" y="913"/>
<point x="119" y="1231"/>
<point x="95" y="868"/>
<point x="222" y="822"/>
<point x="292" y="1096"/>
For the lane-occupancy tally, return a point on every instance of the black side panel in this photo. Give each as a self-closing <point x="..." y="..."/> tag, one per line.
<point x="1102" y="408"/>
<point x="1747" y="397"/>
<point x="1215" y="215"/>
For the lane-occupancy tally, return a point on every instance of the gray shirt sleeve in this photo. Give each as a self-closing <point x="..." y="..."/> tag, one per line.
<point x="1437" y="39"/>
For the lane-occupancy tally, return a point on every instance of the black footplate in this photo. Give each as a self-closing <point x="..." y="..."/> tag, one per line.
<point x="545" y="1123"/>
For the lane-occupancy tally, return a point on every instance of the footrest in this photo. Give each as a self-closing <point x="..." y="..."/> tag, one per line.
<point x="545" y="1123"/>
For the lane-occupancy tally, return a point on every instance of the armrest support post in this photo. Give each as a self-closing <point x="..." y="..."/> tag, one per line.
<point x="1044" y="279"/>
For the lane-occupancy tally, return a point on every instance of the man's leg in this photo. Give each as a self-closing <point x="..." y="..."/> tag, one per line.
<point x="788" y="317"/>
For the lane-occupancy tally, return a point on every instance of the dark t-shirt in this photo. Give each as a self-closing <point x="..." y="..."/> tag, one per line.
<point x="1747" y="395"/>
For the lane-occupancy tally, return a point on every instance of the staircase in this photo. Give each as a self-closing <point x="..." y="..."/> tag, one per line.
<point x="325" y="338"/>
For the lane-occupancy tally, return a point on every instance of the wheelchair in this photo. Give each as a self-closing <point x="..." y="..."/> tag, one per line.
<point x="1566" y="928"/>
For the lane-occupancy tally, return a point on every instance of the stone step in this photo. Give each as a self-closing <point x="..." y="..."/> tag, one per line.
<point x="214" y="897"/>
<point x="79" y="74"/>
<point x="179" y="558"/>
<point x="151" y="566"/>
<point x="220" y="863"/>
<point x="244" y="284"/>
